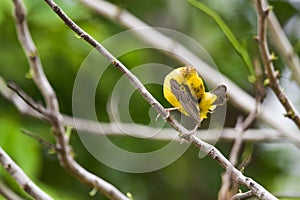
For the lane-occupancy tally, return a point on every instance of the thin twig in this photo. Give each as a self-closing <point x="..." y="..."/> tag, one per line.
<point x="262" y="13"/>
<point x="236" y="175"/>
<point x="133" y="79"/>
<point x="39" y="139"/>
<point x="283" y="46"/>
<point x="257" y="189"/>
<point x="7" y="193"/>
<point x="65" y="154"/>
<point x="28" y="100"/>
<point x="241" y="126"/>
<point x="33" y="58"/>
<point x="19" y="103"/>
<point x="225" y="192"/>
<point x="227" y="189"/>
<point x="21" y="178"/>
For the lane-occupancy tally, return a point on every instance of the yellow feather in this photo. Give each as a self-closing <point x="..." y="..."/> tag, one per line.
<point x="188" y="95"/>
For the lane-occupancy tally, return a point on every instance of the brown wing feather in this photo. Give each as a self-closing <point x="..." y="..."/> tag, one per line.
<point x="187" y="101"/>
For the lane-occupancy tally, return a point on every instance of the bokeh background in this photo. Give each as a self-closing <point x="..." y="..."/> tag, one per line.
<point x="275" y="165"/>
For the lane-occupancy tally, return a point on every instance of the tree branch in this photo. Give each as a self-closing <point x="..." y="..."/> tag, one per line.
<point x="257" y="189"/>
<point x="33" y="58"/>
<point x="65" y="155"/>
<point x="225" y="191"/>
<point x="236" y="175"/>
<point x="7" y="193"/>
<point x="21" y="178"/>
<point x="228" y="189"/>
<point x="27" y="99"/>
<point x="283" y="46"/>
<point x="19" y="103"/>
<point x="262" y="13"/>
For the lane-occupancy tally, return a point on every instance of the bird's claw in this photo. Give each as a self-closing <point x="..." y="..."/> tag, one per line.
<point x="168" y="111"/>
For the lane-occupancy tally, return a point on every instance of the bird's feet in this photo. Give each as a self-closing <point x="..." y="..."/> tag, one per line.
<point x="168" y="110"/>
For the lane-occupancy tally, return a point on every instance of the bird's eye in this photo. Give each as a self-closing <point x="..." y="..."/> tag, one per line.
<point x="182" y="88"/>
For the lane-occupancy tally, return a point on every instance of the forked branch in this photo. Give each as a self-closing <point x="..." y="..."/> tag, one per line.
<point x="267" y="58"/>
<point x="51" y="112"/>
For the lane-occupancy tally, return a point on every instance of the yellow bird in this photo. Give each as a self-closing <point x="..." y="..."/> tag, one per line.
<point x="184" y="89"/>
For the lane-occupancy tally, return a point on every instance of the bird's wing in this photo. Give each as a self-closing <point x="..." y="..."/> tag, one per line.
<point x="183" y="94"/>
<point x="220" y="92"/>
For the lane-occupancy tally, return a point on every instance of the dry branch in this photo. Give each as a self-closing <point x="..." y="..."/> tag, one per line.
<point x="52" y="113"/>
<point x="262" y="13"/>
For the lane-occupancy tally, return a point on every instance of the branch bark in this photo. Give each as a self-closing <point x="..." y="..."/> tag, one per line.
<point x="33" y="58"/>
<point x="262" y="14"/>
<point x="7" y="193"/>
<point x="21" y="178"/>
<point x="283" y="46"/>
<point x="52" y="113"/>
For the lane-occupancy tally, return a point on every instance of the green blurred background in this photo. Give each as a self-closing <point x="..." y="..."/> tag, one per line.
<point x="62" y="53"/>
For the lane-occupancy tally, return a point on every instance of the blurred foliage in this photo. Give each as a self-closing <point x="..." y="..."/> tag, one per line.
<point x="62" y="53"/>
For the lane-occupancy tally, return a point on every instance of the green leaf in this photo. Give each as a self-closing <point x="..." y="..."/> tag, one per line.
<point x="242" y="52"/>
